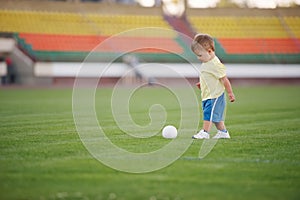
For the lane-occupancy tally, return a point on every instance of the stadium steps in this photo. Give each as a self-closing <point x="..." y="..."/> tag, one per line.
<point x="294" y="25"/>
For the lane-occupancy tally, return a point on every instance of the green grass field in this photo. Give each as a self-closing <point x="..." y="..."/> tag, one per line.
<point x="42" y="157"/>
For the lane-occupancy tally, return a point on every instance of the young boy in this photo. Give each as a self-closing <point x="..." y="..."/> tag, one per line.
<point x="213" y="83"/>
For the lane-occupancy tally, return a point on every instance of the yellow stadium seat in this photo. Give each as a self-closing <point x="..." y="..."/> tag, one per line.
<point x="240" y="27"/>
<point x="76" y="23"/>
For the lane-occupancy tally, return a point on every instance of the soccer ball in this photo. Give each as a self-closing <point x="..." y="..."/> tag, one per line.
<point x="169" y="132"/>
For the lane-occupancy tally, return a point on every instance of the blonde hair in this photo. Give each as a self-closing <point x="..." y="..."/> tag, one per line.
<point x="205" y="40"/>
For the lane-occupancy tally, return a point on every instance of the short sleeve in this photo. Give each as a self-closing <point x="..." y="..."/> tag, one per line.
<point x="220" y="71"/>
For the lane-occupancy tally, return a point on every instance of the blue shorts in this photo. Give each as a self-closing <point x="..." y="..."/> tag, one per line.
<point x="213" y="109"/>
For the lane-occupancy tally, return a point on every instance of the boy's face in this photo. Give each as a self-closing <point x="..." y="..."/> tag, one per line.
<point x="202" y="54"/>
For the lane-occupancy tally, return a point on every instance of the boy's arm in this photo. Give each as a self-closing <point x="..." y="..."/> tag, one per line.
<point x="228" y="88"/>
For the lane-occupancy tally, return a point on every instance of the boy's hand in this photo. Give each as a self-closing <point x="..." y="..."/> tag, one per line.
<point x="198" y="85"/>
<point x="231" y="97"/>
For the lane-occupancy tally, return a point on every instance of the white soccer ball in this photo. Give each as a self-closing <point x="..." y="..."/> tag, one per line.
<point x="169" y="132"/>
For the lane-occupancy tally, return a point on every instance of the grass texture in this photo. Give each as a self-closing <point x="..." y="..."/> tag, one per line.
<point x="42" y="156"/>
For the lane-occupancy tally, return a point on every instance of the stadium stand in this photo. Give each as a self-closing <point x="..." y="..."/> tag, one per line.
<point x="71" y="36"/>
<point x="64" y="34"/>
<point x="293" y="24"/>
<point x="253" y="39"/>
<point x="59" y="32"/>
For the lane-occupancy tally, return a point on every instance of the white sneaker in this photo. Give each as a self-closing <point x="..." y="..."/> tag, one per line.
<point x="201" y="135"/>
<point x="222" y="135"/>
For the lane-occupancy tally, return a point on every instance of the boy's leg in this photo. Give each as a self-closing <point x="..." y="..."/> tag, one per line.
<point x="206" y="125"/>
<point x="220" y="125"/>
<point x="204" y="133"/>
<point x="222" y="132"/>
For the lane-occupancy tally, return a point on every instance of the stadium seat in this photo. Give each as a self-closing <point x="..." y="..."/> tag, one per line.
<point x="250" y="35"/>
<point x="66" y="36"/>
<point x="74" y="32"/>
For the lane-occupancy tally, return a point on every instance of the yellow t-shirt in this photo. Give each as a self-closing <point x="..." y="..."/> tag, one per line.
<point x="210" y="74"/>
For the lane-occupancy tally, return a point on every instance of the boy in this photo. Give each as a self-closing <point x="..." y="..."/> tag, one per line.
<point x="213" y="83"/>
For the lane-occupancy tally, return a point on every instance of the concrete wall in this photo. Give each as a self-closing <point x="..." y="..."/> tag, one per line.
<point x="23" y="67"/>
<point x="162" y="70"/>
<point x="3" y="69"/>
